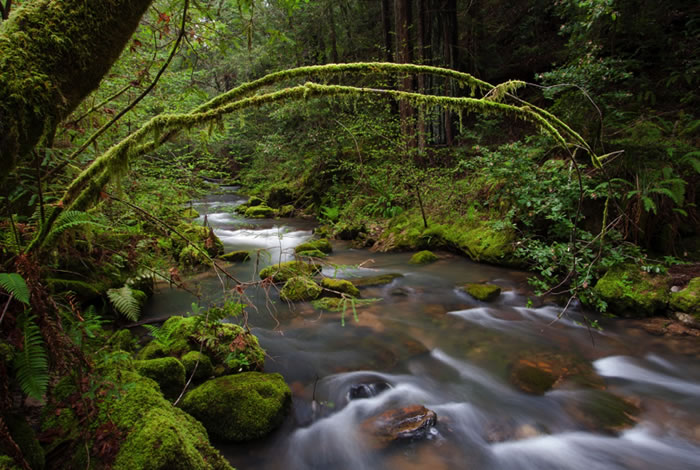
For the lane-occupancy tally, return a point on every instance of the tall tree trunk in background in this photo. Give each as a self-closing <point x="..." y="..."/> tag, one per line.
<point x="403" y="20"/>
<point x="386" y="30"/>
<point x="53" y="54"/>
<point x="334" y="39"/>
<point x="420" y="58"/>
<point x="450" y="53"/>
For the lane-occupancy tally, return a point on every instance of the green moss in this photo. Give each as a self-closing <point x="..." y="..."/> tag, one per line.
<point x="190" y="213"/>
<point x="255" y="201"/>
<point x="205" y="369"/>
<point x="483" y="292"/>
<point x="688" y="299"/>
<point x="286" y="211"/>
<point x="24" y="436"/>
<point x="423" y="257"/>
<point x="168" y="372"/>
<point x="283" y="271"/>
<point x="609" y="412"/>
<point x="322" y="244"/>
<point x="123" y="340"/>
<point x="338" y="304"/>
<point x="203" y="237"/>
<point x="191" y="257"/>
<point x="300" y="289"/>
<point x="240" y="407"/>
<point x="7" y="463"/>
<point x="532" y="379"/>
<point x="375" y="280"/>
<point x="340" y="285"/>
<point x="236" y="256"/>
<point x="260" y="212"/>
<point x="631" y="292"/>
<point x="312" y="254"/>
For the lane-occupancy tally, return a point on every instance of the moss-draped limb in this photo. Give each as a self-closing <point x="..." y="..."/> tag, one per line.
<point x="53" y="53"/>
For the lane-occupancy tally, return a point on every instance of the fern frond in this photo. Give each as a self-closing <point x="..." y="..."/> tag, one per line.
<point x="124" y="302"/>
<point x="32" y="363"/>
<point x="70" y="219"/>
<point x="14" y="285"/>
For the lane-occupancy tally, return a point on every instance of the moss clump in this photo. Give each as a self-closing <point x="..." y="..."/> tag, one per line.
<point x="375" y="280"/>
<point x="203" y="237"/>
<point x="688" y="299"/>
<point x="123" y="340"/>
<point x="630" y="292"/>
<point x="255" y="201"/>
<point x="236" y="256"/>
<point x="338" y="304"/>
<point x="205" y="369"/>
<point x="312" y="254"/>
<point x="240" y="407"/>
<point x="286" y="211"/>
<point x="423" y="257"/>
<point x="23" y="435"/>
<point x="260" y="212"/>
<point x="284" y="271"/>
<point x="191" y="257"/>
<point x="168" y="372"/>
<point x="340" y="285"/>
<point x="322" y="244"/>
<point x="483" y="292"/>
<point x="300" y="289"/>
<point x="7" y="463"/>
<point x="190" y="213"/>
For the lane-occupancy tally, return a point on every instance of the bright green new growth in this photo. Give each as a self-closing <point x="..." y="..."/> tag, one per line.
<point x="84" y="188"/>
<point x="483" y="292"/>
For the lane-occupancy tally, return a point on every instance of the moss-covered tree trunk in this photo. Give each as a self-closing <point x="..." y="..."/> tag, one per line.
<point x="53" y="53"/>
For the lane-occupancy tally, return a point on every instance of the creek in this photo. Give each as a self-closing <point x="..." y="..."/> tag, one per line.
<point x="429" y="343"/>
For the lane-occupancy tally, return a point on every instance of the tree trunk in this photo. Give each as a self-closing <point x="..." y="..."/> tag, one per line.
<point x="450" y="45"/>
<point x="386" y="29"/>
<point x="334" y="40"/>
<point x="403" y="19"/>
<point x="53" y="54"/>
<point x="420" y="53"/>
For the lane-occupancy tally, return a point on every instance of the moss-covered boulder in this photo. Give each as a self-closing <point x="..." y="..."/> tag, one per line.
<point x="631" y="292"/>
<point x="337" y="286"/>
<point x="205" y="368"/>
<point x="24" y="436"/>
<point x="255" y="201"/>
<point x="203" y="237"/>
<point x="378" y="280"/>
<point x="260" y="212"/>
<point x="322" y="244"/>
<point x="168" y="372"/>
<point x="191" y="257"/>
<point x="687" y="300"/>
<point x="423" y="257"/>
<point x="338" y="304"/>
<point x="286" y="211"/>
<point x="236" y="256"/>
<point x="312" y="254"/>
<point x="190" y="213"/>
<point x="122" y="339"/>
<point x="300" y="289"/>
<point x="283" y="271"/>
<point x="483" y="292"/>
<point x="240" y="407"/>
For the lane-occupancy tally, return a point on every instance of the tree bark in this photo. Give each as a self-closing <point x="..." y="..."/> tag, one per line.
<point x="386" y="30"/>
<point x="450" y="45"/>
<point x="403" y="20"/>
<point x="53" y="53"/>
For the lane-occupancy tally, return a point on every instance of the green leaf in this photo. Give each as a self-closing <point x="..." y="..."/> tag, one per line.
<point x="14" y="284"/>
<point x="31" y="363"/>
<point x="124" y="302"/>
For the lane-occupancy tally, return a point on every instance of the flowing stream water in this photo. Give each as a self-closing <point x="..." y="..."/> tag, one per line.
<point x="428" y="343"/>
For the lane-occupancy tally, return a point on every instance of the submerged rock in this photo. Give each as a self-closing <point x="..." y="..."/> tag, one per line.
<point x="240" y="407"/>
<point x="375" y="280"/>
<point x="300" y="289"/>
<point x="602" y="411"/>
<point x="483" y="292"/>
<point x="631" y="292"/>
<point x="401" y="424"/>
<point x="367" y="390"/>
<point x="423" y="257"/>
<point x="538" y="373"/>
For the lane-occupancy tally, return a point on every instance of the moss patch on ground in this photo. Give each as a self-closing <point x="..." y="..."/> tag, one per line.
<point x="631" y="292"/>
<point x="240" y="407"/>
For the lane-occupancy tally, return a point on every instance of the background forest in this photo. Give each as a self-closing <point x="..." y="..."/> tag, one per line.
<point x="623" y="74"/>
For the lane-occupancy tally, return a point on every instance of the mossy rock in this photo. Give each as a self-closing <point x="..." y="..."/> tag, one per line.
<point x="375" y="280"/>
<point x="190" y="213"/>
<point x="286" y="211"/>
<point x="423" y="257"/>
<point x="538" y="372"/>
<point x="338" y="304"/>
<point x="312" y="254"/>
<point x="531" y="379"/>
<point x="483" y="292"/>
<point x="340" y="285"/>
<point x="283" y="271"/>
<point x="255" y="201"/>
<point x="240" y="407"/>
<point x="168" y="372"/>
<point x="688" y="299"/>
<point x="203" y="237"/>
<point x="123" y="340"/>
<point x="191" y="257"/>
<point x="602" y="411"/>
<point x="300" y="289"/>
<point x="260" y="212"/>
<point x="24" y="436"/>
<point x="205" y="369"/>
<point x="631" y="292"/>
<point x="322" y="244"/>
<point x="236" y="256"/>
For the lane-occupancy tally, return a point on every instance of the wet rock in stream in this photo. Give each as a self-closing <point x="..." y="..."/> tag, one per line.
<point x="401" y="424"/>
<point x="367" y="390"/>
<point x="538" y="373"/>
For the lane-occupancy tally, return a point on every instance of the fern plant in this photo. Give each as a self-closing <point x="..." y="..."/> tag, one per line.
<point x="161" y="336"/>
<point x="127" y="301"/>
<point x="31" y="364"/>
<point x="15" y="286"/>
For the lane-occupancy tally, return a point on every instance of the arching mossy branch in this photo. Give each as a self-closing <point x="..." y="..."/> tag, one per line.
<point x="86" y="186"/>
